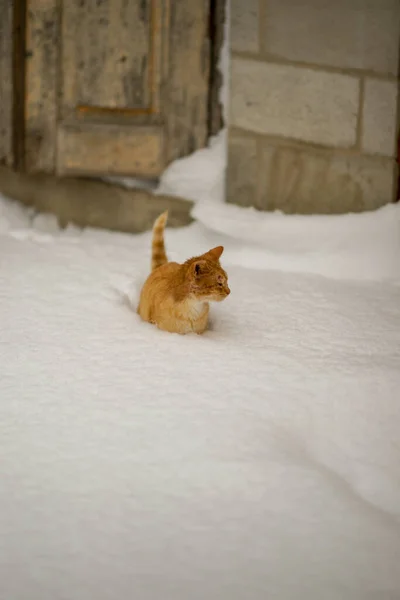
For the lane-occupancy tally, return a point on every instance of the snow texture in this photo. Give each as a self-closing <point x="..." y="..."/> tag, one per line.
<point x="261" y="460"/>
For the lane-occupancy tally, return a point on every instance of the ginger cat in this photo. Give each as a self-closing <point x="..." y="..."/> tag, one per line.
<point x="176" y="297"/>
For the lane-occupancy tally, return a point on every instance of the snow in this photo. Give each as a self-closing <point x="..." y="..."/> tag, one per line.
<point x="362" y="246"/>
<point x="200" y="176"/>
<point x="260" y="460"/>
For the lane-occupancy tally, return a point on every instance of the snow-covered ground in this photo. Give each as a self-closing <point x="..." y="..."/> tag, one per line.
<point x="259" y="461"/>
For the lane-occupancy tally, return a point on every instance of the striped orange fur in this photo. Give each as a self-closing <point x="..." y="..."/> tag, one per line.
<point x="176" y="297"/>
<point x="158" y="254"/>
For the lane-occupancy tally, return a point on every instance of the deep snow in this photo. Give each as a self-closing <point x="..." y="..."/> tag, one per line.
<point x="258" y="461"/>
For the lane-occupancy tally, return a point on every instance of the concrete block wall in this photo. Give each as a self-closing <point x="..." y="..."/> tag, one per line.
<point x="314" y="98"/>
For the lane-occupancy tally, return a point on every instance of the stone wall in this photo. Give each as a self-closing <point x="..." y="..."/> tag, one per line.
<point x="313" y="104"/>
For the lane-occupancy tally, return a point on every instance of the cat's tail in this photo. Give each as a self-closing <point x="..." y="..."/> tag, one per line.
<point x="158" y="254"/>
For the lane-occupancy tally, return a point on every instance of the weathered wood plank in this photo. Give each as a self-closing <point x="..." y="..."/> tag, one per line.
<point x="106" y="58"/>
<point x="6" y="82"/>
<point x="186" y="104"/>
<point x="18" y="109"/>
<point x="217" y="22"/>
<point x="42" y="30"/>
<point x="158" y="45"/>
<point x="110" y="149"/>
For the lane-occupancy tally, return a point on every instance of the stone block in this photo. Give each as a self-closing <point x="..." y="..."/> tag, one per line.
<point x="295" y="180"/>
<point x="242" y="170"/>
<point x="356" y="34"/>
<point x="379" y="124"/>
<point x="244" y="25"/>
<point x="294" y="102"/>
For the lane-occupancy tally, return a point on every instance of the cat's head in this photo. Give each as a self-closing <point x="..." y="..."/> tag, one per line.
<point x="208" y="280"/>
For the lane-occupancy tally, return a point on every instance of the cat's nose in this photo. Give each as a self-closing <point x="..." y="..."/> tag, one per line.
<point x="227" y="290"/>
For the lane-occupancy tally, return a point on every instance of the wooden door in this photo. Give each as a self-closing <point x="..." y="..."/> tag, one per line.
<point x="114" y="86"/>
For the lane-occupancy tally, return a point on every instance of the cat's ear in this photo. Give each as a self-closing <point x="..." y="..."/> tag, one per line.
<point x="214" y="254"/>
<point x="197" y="267"/>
